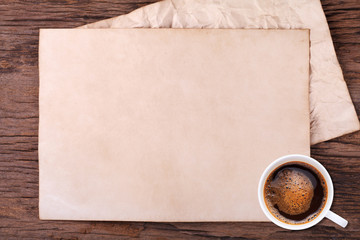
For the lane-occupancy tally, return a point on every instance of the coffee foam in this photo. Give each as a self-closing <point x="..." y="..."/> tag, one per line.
<point x="292" y="192"/>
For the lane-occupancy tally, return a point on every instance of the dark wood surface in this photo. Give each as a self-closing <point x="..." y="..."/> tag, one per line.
<point x="19" y="29"/>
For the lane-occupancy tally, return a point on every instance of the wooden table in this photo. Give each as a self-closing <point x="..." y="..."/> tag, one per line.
<point x="19" y="114"/>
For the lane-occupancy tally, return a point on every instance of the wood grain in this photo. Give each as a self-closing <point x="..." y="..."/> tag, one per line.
<point x="19" y="28"/>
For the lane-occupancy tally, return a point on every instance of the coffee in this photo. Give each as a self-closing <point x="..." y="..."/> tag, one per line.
<point x="295" y="193"/>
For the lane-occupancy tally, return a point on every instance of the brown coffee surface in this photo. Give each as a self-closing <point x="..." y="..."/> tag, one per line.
<point x="294" y="193"/>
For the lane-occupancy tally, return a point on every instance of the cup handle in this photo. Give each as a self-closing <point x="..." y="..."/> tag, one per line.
<point x="336" y="219"/>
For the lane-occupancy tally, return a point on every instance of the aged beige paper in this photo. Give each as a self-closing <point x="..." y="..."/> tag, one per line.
<point x="167" y="124"/>
<point x="332" y="112"/>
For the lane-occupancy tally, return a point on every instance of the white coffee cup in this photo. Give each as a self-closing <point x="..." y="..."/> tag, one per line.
<point x="326" y="212"/>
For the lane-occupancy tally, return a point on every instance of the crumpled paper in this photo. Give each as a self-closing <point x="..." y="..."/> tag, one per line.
<point x="332" y="111"/>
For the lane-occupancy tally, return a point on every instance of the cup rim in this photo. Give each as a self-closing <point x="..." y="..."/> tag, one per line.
<point x="296" y="158"/>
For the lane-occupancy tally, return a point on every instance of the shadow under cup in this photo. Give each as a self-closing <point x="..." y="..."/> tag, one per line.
<point x="295" y="192"/>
